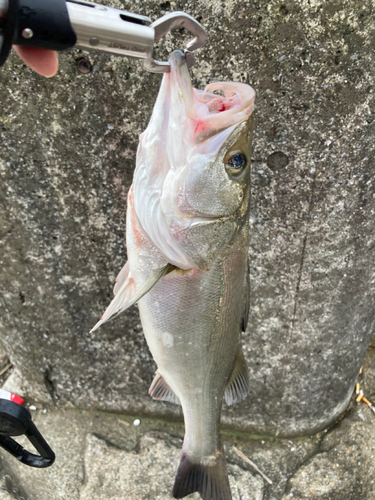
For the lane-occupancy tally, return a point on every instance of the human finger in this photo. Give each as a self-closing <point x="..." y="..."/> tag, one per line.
<point x="42" y="61"/>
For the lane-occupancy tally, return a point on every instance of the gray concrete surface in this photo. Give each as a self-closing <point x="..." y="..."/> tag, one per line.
<point x="104" y="456"/>
<point x="67" y="156"/>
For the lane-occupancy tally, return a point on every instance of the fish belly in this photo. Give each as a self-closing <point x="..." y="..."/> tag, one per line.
<point x="192" y="324"/>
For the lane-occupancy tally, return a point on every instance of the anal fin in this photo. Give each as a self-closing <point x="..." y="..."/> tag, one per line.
<point x="159" y="389"/>
<point x="238" y="385"/>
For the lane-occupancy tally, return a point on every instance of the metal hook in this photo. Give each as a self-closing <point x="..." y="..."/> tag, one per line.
<point x="169" y="22"/>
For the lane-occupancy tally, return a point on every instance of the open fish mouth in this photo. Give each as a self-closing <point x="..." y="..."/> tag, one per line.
<point x="234" y="106"/>
<point x="216" y="108"/>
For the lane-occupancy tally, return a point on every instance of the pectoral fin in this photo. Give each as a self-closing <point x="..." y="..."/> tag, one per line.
<point x="121" y="277"/>
<point x="159" y="389"/>
<point x="127" y="293"/>
<point x="238" y="385"/>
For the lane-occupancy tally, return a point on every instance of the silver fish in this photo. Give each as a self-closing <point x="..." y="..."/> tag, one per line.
<point x="187" y="242"/>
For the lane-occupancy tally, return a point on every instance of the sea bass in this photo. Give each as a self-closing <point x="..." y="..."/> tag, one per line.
<point x="187" y="243"/>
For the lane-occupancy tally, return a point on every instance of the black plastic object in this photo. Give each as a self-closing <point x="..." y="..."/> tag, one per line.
<point x="8" y="25"/>
<point x="15" y="420"/>
<point x="47" y="20"/>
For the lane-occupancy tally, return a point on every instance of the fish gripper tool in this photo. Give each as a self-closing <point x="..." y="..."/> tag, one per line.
<point x="62" y="24"/>
<point x="15" y="420"/>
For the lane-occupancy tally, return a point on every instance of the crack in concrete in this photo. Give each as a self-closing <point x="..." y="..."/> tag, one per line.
<point x="314" y="453"/>
<point x="318" y="450"/>
<point x="304" y="244"/>
<point x="48" y="382"/>
<point x="299" y="277"/>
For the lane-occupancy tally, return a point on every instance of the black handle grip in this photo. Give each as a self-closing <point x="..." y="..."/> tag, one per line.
<point x="15" y="421"/>
<point x="8" y="28"/>
<point x="24" y="456"/>
<point x="36" y="23"/>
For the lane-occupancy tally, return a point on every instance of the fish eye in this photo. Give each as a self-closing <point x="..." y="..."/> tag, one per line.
<point x="236" y="162"/>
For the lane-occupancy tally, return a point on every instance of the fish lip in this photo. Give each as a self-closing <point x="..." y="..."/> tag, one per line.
<point x="203" y="136"/>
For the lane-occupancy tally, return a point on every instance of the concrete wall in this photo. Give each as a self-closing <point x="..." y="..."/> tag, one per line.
<point x="67" y="155"/>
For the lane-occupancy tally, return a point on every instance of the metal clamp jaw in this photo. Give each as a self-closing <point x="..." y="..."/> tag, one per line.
<point x="61" y="24"/>
<point x="123" y="33"/>
<point x="166" y="24"/>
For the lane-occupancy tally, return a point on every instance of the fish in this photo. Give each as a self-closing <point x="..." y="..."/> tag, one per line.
<point x="187" y="241"/>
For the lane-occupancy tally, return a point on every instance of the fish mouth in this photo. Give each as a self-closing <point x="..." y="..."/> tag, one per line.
<point x="232" y="108"/>
<point x="210" y="112"/>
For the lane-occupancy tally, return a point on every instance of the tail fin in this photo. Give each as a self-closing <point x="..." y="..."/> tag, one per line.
<point x="211" y="481"/>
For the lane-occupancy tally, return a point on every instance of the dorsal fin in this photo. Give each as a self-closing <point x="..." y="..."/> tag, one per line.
<point x="238" y="385"/>
<point x="159" y="389"/>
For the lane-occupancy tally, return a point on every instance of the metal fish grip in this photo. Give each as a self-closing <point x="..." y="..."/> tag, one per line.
<point x="176" y="20"/>
<point x="62" y="24"/>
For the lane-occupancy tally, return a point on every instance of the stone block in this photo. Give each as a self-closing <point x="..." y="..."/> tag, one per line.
<point x="67" y="156"/>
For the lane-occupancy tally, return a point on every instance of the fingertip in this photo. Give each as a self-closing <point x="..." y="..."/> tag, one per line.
<point x="44" y="62"/>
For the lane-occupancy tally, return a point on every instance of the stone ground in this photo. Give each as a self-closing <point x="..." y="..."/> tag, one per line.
<point x="105" y="456"/>
<point x="67" y="156"/>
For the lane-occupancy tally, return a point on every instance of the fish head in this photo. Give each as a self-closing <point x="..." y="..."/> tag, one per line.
<point x="192" y="179"/>
<point x="216" y="179"/>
